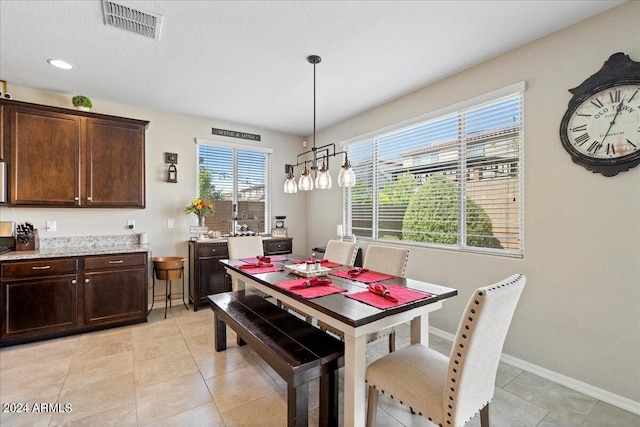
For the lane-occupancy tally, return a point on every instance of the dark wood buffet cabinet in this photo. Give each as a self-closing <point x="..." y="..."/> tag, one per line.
<point x="207" y="276"/>
<point x="68" y="158"/>
<point x="48" y="297"/>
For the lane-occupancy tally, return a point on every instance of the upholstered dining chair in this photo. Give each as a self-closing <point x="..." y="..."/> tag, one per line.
<point x="244" y="247"/>
<point x="449" y="391"/>
<point x="341" y="252"/>
<point x="387" y="260"/>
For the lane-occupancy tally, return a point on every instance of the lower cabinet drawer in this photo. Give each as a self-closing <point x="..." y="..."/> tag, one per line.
<point x="113" y="261"/>
<point x="39" y="268"/>
<point x="278" y="247"/>
<point x="217" y="251"/>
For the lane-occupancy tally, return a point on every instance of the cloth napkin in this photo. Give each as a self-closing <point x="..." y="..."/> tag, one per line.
<point x="355" y="272"/>
<point x="259" y="264"/>
<point x="380" y="289"/>
<point x="314" y="281"/>
<point x="309" y="291"/>
<point x="259" y="267"/>
<point x="267" y="259"/>
<point x="361" y="275"/>
<point x="401" y="294"/>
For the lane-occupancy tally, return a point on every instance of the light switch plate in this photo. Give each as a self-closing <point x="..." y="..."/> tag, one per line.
<point x="51" y="226"/>
<point x="169" y="223"/>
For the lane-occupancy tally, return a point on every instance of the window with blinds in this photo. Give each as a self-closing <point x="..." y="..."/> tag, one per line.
<point x="453" y="179"/>
<point x="231" y="177"/>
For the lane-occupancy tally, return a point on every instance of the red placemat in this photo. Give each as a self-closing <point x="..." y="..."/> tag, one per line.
<point x="312" y="292"/>
<point x="366" y="277"/>
<point x="259" y="270"/>
<point x="323" y="262"/>
<point x="273" y="258"/>
<point x="404" y="296"/>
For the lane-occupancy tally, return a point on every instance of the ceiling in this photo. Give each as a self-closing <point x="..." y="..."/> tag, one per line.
<point x="245" y="61"/>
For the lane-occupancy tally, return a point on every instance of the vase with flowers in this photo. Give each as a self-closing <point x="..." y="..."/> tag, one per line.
<point x="200" y="208"/>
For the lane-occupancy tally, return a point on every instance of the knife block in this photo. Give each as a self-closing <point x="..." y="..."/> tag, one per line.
<point x="32" y="244"/>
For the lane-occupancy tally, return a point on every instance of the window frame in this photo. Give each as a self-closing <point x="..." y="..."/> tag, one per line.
<point x="511" y="90"/>
<point x="241" y="147"/>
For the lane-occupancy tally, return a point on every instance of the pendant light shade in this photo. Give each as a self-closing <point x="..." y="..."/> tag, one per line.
<point x="290" y="185"/>
<point x="305" y="183"/>
<point x="322" y="177"/>
<point x="346" y="178"/>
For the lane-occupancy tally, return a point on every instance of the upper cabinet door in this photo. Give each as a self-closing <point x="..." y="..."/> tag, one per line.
<point x="114" y="164"/>
<point x="45" y="157"/>
<point x="61" y="157"/>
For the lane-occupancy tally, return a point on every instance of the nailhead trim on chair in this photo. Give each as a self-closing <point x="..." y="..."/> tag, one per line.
<point x="459" y="353"/>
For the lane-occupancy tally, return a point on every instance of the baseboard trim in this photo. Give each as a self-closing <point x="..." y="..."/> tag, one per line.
<point x="595" y="392"/>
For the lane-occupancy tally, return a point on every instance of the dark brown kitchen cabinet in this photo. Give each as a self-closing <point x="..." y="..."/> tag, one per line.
<point x="52" y="297"/>
<point x="39" y="298"/>
<point x="61" y="157"/>
<point x="207" y="276"/>
<point x="115" y="288"/>
<point x="277" y="246"/>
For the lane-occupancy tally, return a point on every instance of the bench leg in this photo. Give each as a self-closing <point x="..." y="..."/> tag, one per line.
<point x="298" y="405"/>
<point x="220" y="330"/>
<point x="240" y="341"/>
<point x="329" y="399"/>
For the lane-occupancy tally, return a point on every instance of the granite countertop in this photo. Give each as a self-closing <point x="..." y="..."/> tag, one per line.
<point x="57" y="247"/>
<point x="72" y="251"/>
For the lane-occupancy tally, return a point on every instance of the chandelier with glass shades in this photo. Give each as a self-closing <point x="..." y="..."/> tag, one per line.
<point x="316" y="160"/>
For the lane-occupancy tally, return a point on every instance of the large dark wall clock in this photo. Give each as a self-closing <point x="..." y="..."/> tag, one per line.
<point x="601" y="127"/>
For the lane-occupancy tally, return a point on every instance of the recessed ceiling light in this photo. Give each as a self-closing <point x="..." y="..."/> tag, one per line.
<point x="59" y="63"/>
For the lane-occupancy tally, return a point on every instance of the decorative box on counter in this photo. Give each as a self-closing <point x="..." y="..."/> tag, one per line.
<point x="27" y="237"/>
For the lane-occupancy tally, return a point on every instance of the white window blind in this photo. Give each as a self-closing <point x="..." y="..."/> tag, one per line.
<point x="453" y="179"/>
<point x="231" y="175"/>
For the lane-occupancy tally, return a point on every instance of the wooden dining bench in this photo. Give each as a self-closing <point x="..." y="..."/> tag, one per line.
<point x="296" y="350"/>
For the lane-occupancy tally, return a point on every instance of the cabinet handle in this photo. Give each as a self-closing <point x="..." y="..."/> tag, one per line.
<point x="73" y="282"/>
<point x="89" y="198"/>
<point x="86" y="280"/>
<point x="213" y="250"/>
<point x="116" y="262"/>
<point x="45" y="267"/>
<point x="76" y="198"/>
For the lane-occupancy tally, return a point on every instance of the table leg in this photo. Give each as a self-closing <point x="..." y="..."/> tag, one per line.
<point x="236" y="284"/>
<point x="355" y="365"/>
<point x="420" y="326"/>
<point x="420" y="330"/>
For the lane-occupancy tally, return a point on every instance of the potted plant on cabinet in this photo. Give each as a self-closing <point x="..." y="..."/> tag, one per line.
<point x="81" y="102"/>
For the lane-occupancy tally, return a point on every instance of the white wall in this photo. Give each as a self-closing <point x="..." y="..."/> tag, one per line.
<point x="580" y="313"/>
<point x="166" y="133"/>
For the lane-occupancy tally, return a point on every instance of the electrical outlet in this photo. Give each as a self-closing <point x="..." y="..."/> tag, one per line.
<point x="51" y="226"/>
<point x="131" y="224"/>
<point x="169" y="223"/>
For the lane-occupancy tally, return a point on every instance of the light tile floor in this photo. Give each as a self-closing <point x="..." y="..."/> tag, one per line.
<point x="166" y="373"/>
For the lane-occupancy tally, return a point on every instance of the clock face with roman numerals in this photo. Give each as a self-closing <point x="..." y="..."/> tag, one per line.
<point x="601" y="127"/>
<point x="606" y="125"/>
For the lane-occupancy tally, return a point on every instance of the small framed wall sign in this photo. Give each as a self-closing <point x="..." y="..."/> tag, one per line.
<point x="171" y="158"/>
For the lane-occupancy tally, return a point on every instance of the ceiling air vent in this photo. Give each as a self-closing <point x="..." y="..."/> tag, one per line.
<point x="134" y="20"/>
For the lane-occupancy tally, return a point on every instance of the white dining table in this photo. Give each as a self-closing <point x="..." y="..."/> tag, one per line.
<point x="353" y="319"/>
